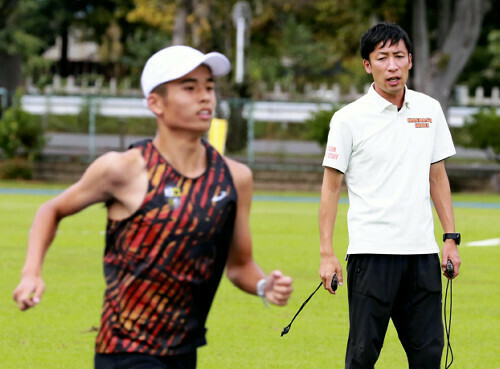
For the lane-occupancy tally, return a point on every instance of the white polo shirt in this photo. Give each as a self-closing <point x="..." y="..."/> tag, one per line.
<point x="386" y="155"/>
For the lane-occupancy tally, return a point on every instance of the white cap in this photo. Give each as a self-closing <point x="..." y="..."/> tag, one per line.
<point x="176" y="61"/>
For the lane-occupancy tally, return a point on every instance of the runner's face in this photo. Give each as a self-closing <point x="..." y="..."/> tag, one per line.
<point x="190" y="101"/>
<point x="389" y="65"/>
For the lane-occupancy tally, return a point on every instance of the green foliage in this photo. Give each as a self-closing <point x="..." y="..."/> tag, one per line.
<point x="20" y="135"/>
<point x="276" y="131"/>
<point x="483" y="67"/>
<point x="291" y="42"/>
<point x="483" y="131"/>
<point x="443" y="61"/>
<point x="17" y="29"/>
<point x="17" y="168"/>
<point x="494" y="49"/>
<point x="139" y="46"/>
<point x="306" y="42"/>
<point x="353" y="75"/>
<point x="140" y="126"/>
<point x="318" y="125"/>
<point x="38" y="69"/>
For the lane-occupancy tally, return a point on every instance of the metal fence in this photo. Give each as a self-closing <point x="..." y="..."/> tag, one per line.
<point x="296" y="154"/>
<point x="123" y="108"/>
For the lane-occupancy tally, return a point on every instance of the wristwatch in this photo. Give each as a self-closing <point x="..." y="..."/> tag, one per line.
<point x="452" y="236"/>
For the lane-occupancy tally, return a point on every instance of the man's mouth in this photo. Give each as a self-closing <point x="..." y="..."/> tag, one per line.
<point x="393" y="80"/>
<point x="205" y="114"/>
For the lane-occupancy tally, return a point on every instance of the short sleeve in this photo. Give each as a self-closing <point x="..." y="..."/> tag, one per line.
<point x="443" y="144"/>
<point x="339" y="145"/>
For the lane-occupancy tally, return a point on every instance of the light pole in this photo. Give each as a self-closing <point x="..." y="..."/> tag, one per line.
<point x="238" y="132"/>
<point x="242" y="16"/>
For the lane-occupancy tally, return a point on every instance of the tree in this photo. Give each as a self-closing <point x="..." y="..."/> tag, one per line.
<point x="483" y="67"/>
<point x="481" y="131"/>
<point x="20" y="135"/>
<point x="10" y="58"/>
<point x="458" y="27"/>
<point x="22" y="43"/>
<point x="6" y="9"/>
<point x="97" y="17"/>
<point x="298" y="42"/>
<point x="318" y="125"/>
<point x="190" y="22"/>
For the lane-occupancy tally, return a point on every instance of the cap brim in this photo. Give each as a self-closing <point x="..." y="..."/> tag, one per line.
<point x="217" y="62"/>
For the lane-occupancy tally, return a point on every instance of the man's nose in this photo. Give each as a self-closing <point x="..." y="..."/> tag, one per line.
<point x="392" y="66"/>
<point x="206" y="95"/>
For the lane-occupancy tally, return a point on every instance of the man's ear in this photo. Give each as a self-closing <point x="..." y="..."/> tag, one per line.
<point x="155" y="103"/>
<point x="368" y="66"/>
<point x="410" y="62"/>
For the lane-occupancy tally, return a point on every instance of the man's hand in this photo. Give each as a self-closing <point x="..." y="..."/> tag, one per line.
<point x="450" y="252"/>
<point x="278" y="288"/>
<point x="328" y="267"/>
<point x="29" y="292"/>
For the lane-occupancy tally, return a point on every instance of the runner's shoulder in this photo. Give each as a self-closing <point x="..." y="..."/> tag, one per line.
<point x="241" y="174"/>
<point x="121" y="167"/>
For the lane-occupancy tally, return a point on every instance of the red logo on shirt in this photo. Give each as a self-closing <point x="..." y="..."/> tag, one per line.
<point x="420" y="122"/>
<point x="331" y="152"/>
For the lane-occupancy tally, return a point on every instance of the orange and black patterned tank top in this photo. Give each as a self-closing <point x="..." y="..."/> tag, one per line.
<point x="164" y="263"/>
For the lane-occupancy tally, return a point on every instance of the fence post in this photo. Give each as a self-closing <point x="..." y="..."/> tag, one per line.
<point x="121" y="127"/>
<point x="250" y="135"/>
<point x="46" y="116"/>
<point x="3" y="100"/>
<point x="92" y="151"/>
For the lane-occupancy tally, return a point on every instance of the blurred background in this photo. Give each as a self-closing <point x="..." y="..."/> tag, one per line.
<point x="70" y="72"/>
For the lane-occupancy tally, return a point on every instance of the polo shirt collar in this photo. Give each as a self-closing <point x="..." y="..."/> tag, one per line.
<point x="382" y="103"/>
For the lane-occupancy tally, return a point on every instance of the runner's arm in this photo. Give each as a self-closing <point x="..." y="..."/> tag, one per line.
<point x="96" y="185"/>
<point x="242" y="270"/>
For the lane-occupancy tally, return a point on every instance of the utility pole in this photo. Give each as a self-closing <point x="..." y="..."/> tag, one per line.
<point x="242" y="16"/>
<point x="237" y="133"/>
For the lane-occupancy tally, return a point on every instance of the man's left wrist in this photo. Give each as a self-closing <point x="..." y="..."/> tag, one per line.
<point x="452" y="236"/>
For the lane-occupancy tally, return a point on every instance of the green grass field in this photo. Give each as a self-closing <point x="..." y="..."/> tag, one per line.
<point x="242" y="333"/>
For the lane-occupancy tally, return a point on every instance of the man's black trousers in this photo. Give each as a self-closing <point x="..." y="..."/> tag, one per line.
<point x="404" y="288"/>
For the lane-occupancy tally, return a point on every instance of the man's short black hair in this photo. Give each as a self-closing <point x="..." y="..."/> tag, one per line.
<point x="383" y="32"/>
<point x="161" y="89"/>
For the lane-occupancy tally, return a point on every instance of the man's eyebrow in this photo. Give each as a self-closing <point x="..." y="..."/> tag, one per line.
<point x="194" y="80"/>
<point x="401" y="51"/>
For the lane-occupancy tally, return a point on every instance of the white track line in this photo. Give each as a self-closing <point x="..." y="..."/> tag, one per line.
<point x="490" y="242"/>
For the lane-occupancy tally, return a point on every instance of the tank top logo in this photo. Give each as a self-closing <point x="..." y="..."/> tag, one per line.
<point x="173" y="196"/>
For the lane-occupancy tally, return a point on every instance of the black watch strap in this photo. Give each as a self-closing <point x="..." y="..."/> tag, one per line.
<point x="452" y="236"/>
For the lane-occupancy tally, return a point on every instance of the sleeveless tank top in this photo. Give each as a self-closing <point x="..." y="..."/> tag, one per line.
<point x="163" y="264"/>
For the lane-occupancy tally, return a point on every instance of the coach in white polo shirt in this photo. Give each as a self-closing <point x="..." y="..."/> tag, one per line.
<point x="390" y="145"/>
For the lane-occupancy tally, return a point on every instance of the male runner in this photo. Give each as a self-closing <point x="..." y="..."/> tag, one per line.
<point x="178" y="214"/>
